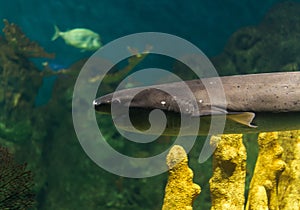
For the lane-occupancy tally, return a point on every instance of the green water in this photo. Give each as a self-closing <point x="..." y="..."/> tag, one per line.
<point x="239" y="38"/>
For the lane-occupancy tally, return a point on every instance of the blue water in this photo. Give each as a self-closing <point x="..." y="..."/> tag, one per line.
<point x="207" y="24"/>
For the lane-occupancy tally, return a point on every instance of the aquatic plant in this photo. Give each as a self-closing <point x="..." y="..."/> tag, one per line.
<point x="15" y="71"/>
<point x="21" y="44"/>
<point x="15" y="183"/>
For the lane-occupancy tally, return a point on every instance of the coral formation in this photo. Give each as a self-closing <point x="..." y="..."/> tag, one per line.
<point x="180" y="190"/>
<point x="275" y="183"/>
<point x="263" y="192"/>
<point x="15" y="183"/>
<point x="227" y="184"/>
<point x="288" y="186"/>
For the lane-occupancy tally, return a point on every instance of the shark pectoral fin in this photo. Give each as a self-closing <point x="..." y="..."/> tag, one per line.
<point x="244" y="118"/>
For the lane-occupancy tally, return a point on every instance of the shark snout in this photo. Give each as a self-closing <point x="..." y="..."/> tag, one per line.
<point x="120" y="99"/>
<point x="103" y="104"/>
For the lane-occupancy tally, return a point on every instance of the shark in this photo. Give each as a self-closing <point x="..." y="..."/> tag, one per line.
<point x="249" y="104"/>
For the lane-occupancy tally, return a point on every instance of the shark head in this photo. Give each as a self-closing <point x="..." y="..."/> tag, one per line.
<point x="144" y="98"/>
<point x="138" y="103"/>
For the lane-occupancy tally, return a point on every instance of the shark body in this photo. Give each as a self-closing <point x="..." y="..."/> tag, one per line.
<point x="250" y="103"/>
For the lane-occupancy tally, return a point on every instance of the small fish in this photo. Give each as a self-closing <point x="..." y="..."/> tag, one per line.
<point x="54" y="66"/>
<point x="81" y="38"/>
<point x="254" y="103"/>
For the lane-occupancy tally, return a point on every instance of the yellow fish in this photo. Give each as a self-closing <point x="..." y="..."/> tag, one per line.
<point x="81" y="38"/>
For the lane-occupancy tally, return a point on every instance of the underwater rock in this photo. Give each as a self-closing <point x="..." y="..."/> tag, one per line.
<point x="227" y="184"/>
<point x="180" y="191"/>
<point x="271" y="46"/>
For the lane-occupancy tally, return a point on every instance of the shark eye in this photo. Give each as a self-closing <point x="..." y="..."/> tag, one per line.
<point x="163" y="103"/>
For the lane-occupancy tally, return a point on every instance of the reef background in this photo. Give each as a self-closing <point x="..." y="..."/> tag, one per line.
<point x="42" y="134"/>
<point x="207" y="24"/>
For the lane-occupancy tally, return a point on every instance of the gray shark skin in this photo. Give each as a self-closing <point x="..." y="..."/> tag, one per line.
<point x="254" y="103"/>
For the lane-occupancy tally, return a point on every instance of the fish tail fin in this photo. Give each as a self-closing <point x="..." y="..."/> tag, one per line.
<point x="56" y="33"/>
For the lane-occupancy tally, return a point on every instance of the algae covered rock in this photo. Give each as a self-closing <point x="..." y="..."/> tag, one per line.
<point x="273" y="45"/>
